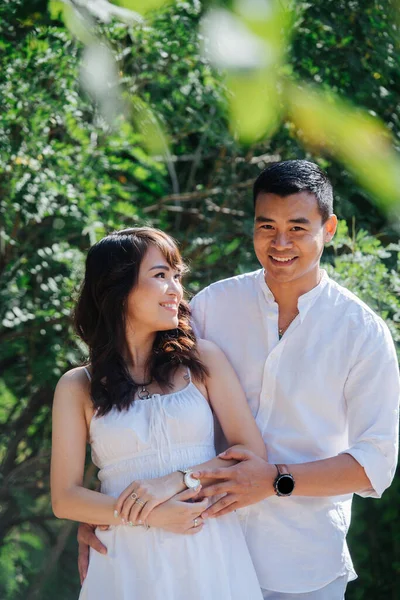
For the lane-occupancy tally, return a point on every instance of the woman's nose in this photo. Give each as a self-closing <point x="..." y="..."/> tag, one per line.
<point x="174" y="287"/>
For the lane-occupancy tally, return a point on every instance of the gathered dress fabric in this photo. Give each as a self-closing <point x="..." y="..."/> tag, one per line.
<point x="154" y="437"/>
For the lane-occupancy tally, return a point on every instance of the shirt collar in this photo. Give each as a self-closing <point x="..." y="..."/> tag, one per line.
<point x="305" y="301"/>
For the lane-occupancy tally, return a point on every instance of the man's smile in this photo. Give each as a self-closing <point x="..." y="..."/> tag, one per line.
<point x="282" y="261"/>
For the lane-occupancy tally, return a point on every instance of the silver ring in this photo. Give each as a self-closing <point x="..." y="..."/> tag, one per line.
<point x="139" y="501"/>
<point x="134" y="496"/>
<point x="195" y="522"/>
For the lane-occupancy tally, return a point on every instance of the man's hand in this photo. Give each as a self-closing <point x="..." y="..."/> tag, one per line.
<point x="245" y="483"/>
<point x="87" y="538"/>
<point x="177" y="515"/>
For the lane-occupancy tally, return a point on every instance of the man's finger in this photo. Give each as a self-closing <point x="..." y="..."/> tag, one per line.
<point x="90" y="539"/>
<point x="83" y="564"/>
<point x="235" y="454"/>
<point x="218" y="488"/>
<point x="222" y="507"/>
<point x="211" y="473"/>
<point x="146" y="510"/>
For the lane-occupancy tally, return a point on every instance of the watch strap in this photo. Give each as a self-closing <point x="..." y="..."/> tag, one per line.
<point x="282" y="470"/>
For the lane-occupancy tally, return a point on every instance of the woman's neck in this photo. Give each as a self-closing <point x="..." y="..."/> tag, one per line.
<point x="137" y="353"/>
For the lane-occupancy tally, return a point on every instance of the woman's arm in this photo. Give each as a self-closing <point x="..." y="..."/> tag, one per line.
<point x="70" y="500"/>
<point x="229" y="403"/>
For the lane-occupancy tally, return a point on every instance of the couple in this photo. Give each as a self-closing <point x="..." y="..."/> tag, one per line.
<point x="320" y="374"/>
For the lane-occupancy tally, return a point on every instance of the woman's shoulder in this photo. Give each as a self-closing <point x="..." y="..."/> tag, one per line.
<point x="74" y="384"/>
<point x="208" y="351"/>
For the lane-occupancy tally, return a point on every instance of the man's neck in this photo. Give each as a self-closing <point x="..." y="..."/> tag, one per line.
<point x="287" y="294"/>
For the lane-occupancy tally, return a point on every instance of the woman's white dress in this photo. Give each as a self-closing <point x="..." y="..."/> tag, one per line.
<point x="153" y="438"/>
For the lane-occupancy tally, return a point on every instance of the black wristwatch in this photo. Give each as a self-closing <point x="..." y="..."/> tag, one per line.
<point x="284" y="483"/>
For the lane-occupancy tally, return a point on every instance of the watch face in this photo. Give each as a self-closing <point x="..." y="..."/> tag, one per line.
<point x="191" y="482"/>
<point x="285" y="485"/>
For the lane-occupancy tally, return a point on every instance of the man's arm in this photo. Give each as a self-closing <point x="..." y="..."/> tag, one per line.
<point x="252" y="479"/>
<point x="366" y="467"/>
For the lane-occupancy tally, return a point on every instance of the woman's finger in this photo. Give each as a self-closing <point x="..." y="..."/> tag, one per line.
<point x="197" y="526"/>
<point x="147" y="508"/>
<point x="127" y="507"/>
<point x="135" y="513"/>
<point x="124" y="496"/>
<point x="187" y="494"/>
<point x="222" y="507"/>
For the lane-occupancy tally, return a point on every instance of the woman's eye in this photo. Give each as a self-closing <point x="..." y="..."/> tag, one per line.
<point x="178" y="276"/>
<point x="162" y="275"/>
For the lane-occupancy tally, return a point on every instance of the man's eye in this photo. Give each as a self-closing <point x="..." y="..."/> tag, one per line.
<point x="266" y="227"/>
<point x="296" y="228"/>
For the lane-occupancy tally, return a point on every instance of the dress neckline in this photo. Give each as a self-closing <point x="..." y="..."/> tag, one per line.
<point x="190" y="383"/>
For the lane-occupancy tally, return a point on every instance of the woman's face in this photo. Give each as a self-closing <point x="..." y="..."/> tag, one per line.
<point x="153" y="304"/>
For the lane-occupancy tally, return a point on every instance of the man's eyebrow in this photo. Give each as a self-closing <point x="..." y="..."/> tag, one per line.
<point x="299" y="220"/>
<point x="261" y="219"/>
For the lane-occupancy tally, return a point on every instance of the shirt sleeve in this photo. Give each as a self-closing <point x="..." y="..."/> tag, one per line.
<point x="198" y="311"/>
<point x="372" y="394"/>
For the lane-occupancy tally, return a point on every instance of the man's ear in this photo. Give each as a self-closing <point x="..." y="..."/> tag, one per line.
<point x="330" y="228"/>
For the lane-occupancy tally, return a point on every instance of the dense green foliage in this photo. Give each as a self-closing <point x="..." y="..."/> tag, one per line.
<point x="67" y="177"/>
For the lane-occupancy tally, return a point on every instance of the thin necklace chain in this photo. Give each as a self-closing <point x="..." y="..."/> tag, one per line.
<point x="282" y="330"/>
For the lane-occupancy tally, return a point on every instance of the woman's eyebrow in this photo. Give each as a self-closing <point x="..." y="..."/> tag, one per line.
<point x="163" y="267"/>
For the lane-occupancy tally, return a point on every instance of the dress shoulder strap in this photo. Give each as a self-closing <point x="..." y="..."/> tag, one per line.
<point x="87" y="373"/>
<point x="188" y="376"/>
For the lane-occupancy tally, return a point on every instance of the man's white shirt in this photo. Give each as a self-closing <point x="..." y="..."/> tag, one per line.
<point x="329" y="386"/>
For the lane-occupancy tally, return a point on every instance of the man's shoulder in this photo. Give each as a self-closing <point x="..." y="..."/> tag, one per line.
<point x="238" y="284"/>
<point x="351" y="307"/>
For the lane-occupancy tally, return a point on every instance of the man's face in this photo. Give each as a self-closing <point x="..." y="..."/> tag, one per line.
<point x="289" y="235"/>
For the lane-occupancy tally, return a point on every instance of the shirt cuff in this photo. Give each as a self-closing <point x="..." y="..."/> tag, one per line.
<point x="376" y="465"/>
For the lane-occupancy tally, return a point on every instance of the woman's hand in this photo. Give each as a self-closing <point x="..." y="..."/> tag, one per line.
<point x="179" y="516"/>
<point x="137" y="501"/>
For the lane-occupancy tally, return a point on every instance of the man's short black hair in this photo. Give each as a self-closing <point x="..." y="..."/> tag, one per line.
<point x="293" y="176"/>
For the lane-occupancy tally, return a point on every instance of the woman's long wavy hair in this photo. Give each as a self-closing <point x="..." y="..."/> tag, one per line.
<point x="112" y="270"/>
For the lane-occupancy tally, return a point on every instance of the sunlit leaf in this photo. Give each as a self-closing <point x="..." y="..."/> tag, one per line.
<point x="249" y="46"/>
<point x="270" y="20"/>
<point x="254" y="104"/>
<point x="146" y="122"/>
<point x="56" y="9"/>
<point x="100" y="78"/>
<point x="355" y="137"/>
<point x="143" y="6"/>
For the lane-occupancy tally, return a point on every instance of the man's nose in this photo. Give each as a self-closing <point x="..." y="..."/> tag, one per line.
<point x="281" y="240"/>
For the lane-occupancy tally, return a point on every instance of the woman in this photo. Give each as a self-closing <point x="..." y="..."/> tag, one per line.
<point x="146" y="406"/>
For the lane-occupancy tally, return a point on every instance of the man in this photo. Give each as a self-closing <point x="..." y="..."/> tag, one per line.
<point x="320" y="373"/>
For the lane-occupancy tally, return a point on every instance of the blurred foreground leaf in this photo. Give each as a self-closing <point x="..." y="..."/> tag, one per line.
<point x="355" y="137"/>
<point x="249" y="45"/>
